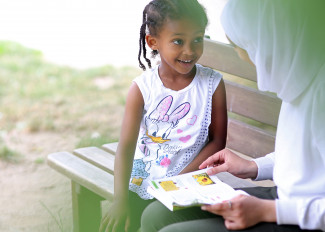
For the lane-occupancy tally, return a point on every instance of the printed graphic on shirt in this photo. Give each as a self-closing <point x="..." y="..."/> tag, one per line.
<point x="154" y="142"/>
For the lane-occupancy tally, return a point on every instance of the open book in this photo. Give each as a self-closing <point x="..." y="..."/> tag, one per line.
<point x="191" y="189"/>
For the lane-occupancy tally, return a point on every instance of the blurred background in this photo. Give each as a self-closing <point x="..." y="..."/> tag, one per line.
<point x="85" y="33"/>
<point x="65" y="69"/>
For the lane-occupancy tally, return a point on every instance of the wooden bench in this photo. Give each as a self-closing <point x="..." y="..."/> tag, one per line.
<point x="252" y="124"/>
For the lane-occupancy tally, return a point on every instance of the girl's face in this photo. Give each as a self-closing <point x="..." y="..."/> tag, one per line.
<point x="180" y="45"/>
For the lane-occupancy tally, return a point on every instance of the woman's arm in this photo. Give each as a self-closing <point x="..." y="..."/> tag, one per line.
<point x="217" y="129"/>
<point x="309" y="211"/>
<point x="117" y="218"/>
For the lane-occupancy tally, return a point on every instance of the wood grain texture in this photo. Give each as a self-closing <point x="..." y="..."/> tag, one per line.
<point x="97" y="157"/>
<point x="110" y="147"/>
<point x="249" y="140"/>
<point x="252" y="103"/>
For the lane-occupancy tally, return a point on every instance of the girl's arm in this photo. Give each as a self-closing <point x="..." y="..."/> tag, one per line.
<point x="217" y="129"/>
<point x="127" y="142"/>
<point x="117" y="218"/>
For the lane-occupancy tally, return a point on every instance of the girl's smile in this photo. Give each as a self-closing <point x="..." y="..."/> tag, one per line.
<point x="187" y="64"/>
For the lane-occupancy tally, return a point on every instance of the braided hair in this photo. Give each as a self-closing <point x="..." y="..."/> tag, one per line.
<point x="157" y="12"/>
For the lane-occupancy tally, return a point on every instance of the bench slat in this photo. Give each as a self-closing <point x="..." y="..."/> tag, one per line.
<point x="222" y="57"/>
<point x="252" y="103"/>
<point x="110" y="147"/>
<point x="97" y="157"/>
<point x="83" y="173"/>
<point x="249" y="140"/>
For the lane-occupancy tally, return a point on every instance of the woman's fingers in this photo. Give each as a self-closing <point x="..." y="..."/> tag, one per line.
<point x="219" y="208"/>
<point x="231" y="225"/>
<point x="217" y="169"/>
<point x="212" y="161"/>
<point x="243" y="211"/>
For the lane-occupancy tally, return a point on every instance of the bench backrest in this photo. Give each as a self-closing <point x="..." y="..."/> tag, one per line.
<point x="253" y="115"/>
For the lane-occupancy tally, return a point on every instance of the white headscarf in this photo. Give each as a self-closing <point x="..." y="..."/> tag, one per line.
<point x="285" y="39"/>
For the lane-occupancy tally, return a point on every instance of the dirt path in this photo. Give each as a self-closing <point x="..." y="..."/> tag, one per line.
<point x="30" y="191"/>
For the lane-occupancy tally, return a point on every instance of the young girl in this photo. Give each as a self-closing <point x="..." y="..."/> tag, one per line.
<point x="175" y="115"/>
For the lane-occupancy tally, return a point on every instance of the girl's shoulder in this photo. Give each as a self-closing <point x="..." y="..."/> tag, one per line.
<point x="208" y="77"/>
<point x="147" y="81"/>
<point x="147" y="78"/>
<point x="208" y="72"/>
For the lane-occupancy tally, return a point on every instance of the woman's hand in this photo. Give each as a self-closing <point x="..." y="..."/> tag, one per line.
<point x="244" y="211"/>
<point x="227" y="161"/>
<point x="117" y="218"/>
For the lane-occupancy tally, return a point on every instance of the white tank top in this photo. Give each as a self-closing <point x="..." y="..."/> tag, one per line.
<point x="174" y="126"/>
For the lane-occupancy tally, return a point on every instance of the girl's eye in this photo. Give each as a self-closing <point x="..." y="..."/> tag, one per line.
<point x="178" y="41"/>
<point x="198" y="40"/>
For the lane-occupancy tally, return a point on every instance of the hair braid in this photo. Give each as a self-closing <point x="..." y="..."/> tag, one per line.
<point x="142" y="41"/>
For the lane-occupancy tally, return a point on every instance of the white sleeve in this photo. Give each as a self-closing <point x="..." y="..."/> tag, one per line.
<point x="318" y="119"/>
<point x="307" y="213"/>
<point x="265" y="167"/>
<point x="216" y="80"/>
<point x="145" y="84"/>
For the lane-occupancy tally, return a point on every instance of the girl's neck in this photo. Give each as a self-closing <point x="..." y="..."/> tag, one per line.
<point x="176" y="81"/>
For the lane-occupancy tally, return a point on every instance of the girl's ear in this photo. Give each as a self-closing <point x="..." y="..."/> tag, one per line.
<point x="152" y="42"/>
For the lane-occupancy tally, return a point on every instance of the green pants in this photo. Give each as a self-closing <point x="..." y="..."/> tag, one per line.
<point x="137" y="205"/>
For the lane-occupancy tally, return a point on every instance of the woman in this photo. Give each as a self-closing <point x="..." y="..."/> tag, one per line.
<point x="286" y="42"/>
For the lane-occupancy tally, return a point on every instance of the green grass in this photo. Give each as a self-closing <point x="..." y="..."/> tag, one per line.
<point x="8" y="154"/>
<point x="38" y="96"/>
<point x="95" y="141"/>
<point x="57" y="219"/>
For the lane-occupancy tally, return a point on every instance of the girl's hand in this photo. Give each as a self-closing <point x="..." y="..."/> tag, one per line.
<point x="244" y="211"/>
<point x="227" y="161"/>
<point x="117" y="218"/>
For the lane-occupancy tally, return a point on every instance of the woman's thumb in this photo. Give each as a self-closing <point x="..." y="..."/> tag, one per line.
<point x="217" y="169"/>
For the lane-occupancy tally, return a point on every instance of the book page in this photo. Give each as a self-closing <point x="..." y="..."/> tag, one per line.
<point x="195" y="188"/>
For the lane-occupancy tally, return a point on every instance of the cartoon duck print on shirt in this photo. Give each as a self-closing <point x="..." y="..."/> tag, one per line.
<point x="158" y="126"/>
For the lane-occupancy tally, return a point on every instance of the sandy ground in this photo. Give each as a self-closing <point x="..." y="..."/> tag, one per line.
<point x="33" y="197"/>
